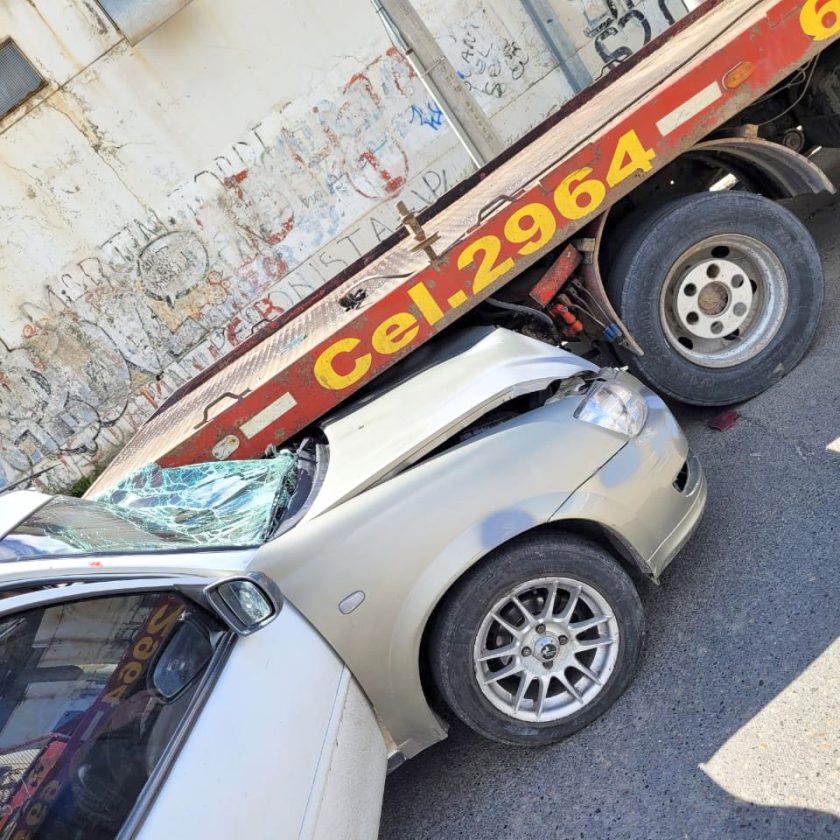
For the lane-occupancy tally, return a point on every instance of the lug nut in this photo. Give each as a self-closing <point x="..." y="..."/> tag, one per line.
<point x="541" y="628"/>
<point x="526" y="651"/>
<point x="548" y="665"/>
<point x="562" y="640"/>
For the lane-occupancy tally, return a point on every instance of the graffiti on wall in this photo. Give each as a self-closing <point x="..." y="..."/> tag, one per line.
<point x="489" y="66"/>
<point x="285" y="207"/>
<point x="274" y="216"/>
<point x="618" y="28"/>
<point x="496" y="59"/>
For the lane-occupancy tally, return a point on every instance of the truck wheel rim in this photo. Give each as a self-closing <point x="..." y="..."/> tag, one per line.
<point x="546" y="649"/>
<point x="724" y="300"/>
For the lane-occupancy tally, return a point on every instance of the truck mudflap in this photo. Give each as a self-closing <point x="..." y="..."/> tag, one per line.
<point x="521" y="211"/>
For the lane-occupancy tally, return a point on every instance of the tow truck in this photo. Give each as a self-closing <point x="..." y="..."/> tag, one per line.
<point x="642" y="215"/>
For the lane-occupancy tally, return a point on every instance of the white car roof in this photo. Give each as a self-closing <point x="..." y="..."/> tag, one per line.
<point x="470" y="374"/>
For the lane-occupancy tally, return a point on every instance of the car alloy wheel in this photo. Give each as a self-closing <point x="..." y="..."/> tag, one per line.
<point x="538" y="639"/>
<point x="546" y="649"/>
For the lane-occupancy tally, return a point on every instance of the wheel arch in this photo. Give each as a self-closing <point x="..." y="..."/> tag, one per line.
<point x="762" y="166"/>
<point x="589" y="529"/>
<point x="780" y="171"/>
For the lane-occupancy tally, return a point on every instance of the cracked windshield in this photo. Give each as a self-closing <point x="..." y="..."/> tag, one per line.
<point x="201" y="506"/>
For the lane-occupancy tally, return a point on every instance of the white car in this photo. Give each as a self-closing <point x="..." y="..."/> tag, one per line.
<point x="478" y="525"/>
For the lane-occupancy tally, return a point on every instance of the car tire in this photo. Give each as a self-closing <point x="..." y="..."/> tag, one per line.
<point x="557" y="700"/>
<point x="673" y="281"/>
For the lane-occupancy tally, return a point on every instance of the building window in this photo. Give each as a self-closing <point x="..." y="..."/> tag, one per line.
<point x="18" y="78"/>
<point x="138" y="18"/>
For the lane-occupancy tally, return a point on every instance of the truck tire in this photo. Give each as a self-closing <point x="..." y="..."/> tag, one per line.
<point x="723" y="292"/>
<point x="523" y="668"/>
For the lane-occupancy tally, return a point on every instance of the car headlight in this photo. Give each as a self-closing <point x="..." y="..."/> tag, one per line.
<point x="615" y="407"/>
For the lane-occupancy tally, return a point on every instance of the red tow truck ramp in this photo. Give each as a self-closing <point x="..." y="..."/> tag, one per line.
<point x="603" y="143"/>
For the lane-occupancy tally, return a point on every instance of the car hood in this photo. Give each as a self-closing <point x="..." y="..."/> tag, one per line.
<point x="436" y="394"/>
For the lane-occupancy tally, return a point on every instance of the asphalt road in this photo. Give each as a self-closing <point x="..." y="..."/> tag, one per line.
<point x="732" y="726"/>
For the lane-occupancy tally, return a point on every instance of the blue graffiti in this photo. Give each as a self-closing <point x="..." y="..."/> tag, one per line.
<point x="431" y="116"/>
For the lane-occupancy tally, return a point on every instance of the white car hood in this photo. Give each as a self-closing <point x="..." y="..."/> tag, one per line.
<point x="465" y="377"/>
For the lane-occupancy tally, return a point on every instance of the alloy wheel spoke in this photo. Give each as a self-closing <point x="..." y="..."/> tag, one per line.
<point x="550" y="598"/>
<point x="588" y="644"/>
<point x="586" y="671"/>
<point x="526" y="613"/>
<point x="508" y="671"/>
<point x="499" y="653"/>
<point x="524" y="684"/>
<point x="588" y="623"/>
<point x="574" y="594"/>
<point x="569" y="686"/>
<point x="542" y="694"/>
<point x="514" y="631"/>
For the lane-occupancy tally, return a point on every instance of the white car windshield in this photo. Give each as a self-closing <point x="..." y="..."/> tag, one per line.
<point x="219" y="505"/>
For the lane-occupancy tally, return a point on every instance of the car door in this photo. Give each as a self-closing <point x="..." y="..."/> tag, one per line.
<point x="286" y="746"/>
<point x="140" y="713"/>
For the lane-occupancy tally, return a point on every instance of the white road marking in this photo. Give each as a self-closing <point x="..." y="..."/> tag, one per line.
<point x="268" y="415"/>
<point x="689" y="109"/>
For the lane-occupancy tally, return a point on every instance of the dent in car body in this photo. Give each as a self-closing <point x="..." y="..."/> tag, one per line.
<point x="435" y="520"/>
<point x="431" y="522"/>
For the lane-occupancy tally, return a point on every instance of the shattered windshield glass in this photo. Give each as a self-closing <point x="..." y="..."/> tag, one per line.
<point x="219" y="505"/>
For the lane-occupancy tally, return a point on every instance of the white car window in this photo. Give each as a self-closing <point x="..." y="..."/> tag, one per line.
<point x="91" y="693"/>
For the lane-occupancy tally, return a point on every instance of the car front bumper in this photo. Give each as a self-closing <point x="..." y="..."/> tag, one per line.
<point x="650" y="496"/>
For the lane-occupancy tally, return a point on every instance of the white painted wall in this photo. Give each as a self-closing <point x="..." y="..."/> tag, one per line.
<point x="158" y="201"/>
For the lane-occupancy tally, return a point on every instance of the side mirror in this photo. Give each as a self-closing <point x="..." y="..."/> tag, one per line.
<point x="245" y="603"/>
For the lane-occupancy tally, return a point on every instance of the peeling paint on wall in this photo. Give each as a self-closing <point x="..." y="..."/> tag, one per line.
<point x="281" y="210"/>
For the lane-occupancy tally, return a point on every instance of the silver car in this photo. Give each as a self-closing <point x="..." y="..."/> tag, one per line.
<point x="464" y="540"/>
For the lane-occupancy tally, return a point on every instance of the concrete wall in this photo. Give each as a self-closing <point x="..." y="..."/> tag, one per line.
<point x="159" y="201"/>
